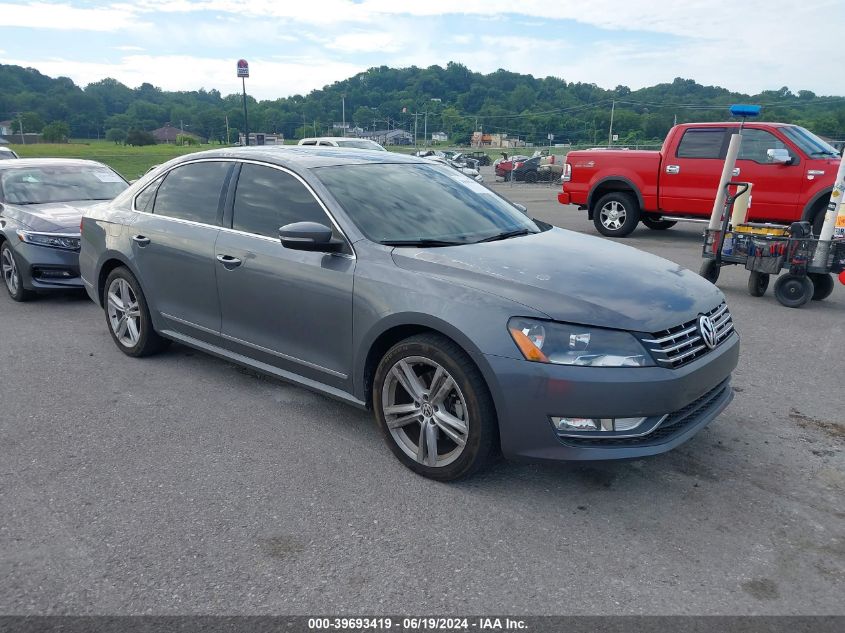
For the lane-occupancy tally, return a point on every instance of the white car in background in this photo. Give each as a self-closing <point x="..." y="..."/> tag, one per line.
<point x="5" y="153"/>
<point x="341" y="141"/>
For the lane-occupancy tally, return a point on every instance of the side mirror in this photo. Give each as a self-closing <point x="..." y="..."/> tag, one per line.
<point x="779" y="156"/>
<point x="522" y="208"/>
<point x="309" y="236"/>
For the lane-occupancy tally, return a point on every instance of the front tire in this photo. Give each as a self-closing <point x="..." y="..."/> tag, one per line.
<point x="12" y="275"/>
<point x="758" y="283"/>
<point x="616" y="214"/>
<point x="128" y="316"/>
<point x="709" y="269"/>
<point x="434" y="409"/>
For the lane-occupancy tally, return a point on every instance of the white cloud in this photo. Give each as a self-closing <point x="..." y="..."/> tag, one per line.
<point x="128" y="48"/>
<point x="42" y="15"/>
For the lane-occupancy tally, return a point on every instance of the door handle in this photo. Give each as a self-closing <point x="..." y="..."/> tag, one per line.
<point x="673" y="169"/>
<point x="141" y="240"/>
<point x="735" y="172"/>
<point x="228" y="261"/>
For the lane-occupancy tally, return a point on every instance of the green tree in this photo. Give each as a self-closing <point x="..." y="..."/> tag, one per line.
<point x="139" y="138"/>
<point x="116" y="135"/>
<point x="56" y="132"/>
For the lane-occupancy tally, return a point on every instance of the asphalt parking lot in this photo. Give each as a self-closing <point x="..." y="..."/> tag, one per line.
<point x="183" y="484"/>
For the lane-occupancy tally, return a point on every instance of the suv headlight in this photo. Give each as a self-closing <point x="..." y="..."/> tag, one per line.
<point x="67" y="241"/>
<point x="568" y="344"/>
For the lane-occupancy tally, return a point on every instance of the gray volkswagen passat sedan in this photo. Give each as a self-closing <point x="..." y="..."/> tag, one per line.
<point x="41" y="203"/>
<point x="395" y="283"/>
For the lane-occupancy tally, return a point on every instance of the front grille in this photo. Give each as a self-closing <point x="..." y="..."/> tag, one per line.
<point x="682" y="344"/>
<point x="674" y="424"/>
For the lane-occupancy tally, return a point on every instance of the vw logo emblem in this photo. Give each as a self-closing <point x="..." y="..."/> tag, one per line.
<point x="708" y="331"/>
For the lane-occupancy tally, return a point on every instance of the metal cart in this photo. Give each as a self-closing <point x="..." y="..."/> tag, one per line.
<point x="766" y="249"/>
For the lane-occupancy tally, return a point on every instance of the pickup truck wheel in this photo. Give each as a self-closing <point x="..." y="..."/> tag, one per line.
<point x="616" y="214"/>
<point x="818" y="218"/>
<point x="658" y="225"/>
<point x="822" y="284"/>
<point x="709" y="269"/>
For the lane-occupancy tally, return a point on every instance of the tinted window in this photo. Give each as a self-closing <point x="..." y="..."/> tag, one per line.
<point x="756" y="143"/>
<point x="192" y="192"/>
<point x="267" y="199"/>
<point x="702" y="143"/>
<point x="391" y="202"/>
<point x="144" y="200"/>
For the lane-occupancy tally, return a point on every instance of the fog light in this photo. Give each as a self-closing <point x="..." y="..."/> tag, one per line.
<point x="576" y="425"/>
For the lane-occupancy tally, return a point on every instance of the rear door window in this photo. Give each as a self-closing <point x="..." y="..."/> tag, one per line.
<point x="193" y="192"/>
<point x="267" y="199"/>
<point x="703" y="143"/>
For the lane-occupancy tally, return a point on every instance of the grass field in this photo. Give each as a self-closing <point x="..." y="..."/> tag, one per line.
<point x="130" y="162"/>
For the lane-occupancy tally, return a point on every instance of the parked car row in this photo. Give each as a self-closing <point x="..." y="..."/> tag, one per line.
<point x="391" y="283"/>
<point x="456" y="160"/>
<point x="537" y="168"/>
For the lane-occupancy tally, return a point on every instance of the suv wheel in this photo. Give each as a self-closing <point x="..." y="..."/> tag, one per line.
<point x="616" y="214"/>
<point x="434" y="408"/>
<point x="128" y="317"/>
<point x="656" y="224"/>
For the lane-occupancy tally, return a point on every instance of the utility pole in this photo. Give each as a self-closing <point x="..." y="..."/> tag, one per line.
<point x="20" y="123"/>
<point x="343" y="105"/>
<point x="228" y="141"/>
<point x="610" y="133"/>
<point x="425" y="128"/>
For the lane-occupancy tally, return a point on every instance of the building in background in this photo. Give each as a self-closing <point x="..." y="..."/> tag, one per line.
<point x="262" y="138"/>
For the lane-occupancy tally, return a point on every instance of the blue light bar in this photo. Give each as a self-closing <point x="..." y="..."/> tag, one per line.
<point x="740" y="109"/>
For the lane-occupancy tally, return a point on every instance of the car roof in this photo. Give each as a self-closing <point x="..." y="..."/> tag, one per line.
<point x="23" y="163"/>
<point x="305" y="157"/>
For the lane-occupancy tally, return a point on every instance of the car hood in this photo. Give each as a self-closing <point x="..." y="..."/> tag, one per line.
<point x="52" y="217"/>
<point x="574" y="278"/>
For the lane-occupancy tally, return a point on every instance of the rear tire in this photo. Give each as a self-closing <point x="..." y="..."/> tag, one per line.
<point x="758" y="283"/>
<point x="793" y="291"/>
<point x="822" y="285"/>
<point x="439" y="419"/>
<point x="616" y="214"/>
<point x="658" y="225"/>
<point x="128" y="317"/>
<point x="709" y="269"/>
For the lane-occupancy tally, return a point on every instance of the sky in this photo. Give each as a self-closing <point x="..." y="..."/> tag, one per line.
<point x="295" y="47"/>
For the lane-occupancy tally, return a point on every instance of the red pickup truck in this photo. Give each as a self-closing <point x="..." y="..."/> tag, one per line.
<point x="792" y="171"/>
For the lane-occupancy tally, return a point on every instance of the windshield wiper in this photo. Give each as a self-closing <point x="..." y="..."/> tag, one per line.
<point x="505" y="235"/>
<point x="423" y="241"/>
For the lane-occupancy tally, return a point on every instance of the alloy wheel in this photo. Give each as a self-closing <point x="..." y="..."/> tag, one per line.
<point x="425" y="411"/>
<point x="613" y="215"/>
<point x="124" y="313"/>
<point x="10" y="271"/>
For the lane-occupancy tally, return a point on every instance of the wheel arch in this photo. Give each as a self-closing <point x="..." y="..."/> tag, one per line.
<point x="401" y="326"/>
<point x="110" y="262"/>
<point x="610" y="184"/>
<point x="818" y="202"/>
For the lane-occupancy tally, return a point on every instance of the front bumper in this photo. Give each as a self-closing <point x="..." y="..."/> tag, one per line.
<point x="44" y="269"/>
<point x="527" y="394"/>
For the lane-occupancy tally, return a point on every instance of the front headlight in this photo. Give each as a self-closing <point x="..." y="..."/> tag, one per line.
<point x="567" y="344"/>
<point x="67" y="241"/>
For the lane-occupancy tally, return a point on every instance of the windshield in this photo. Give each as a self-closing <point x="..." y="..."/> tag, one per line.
<point x="421" y="203"/>
<point x="362" y="144"/>
<point x="59" y="183"/>
<point x="808" y="142"/>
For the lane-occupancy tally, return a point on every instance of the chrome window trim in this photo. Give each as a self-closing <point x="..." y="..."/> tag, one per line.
<point x="232" y="230"/>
